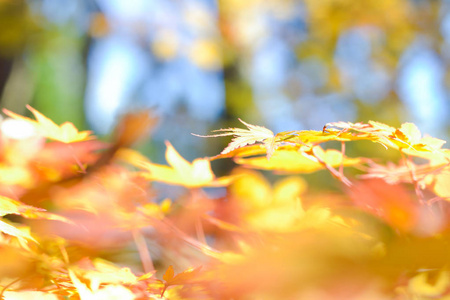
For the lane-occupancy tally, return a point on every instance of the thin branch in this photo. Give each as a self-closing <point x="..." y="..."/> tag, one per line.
<point x="437" y="199"/>
<point x="414" y="180"/>
<point x="204" y="248"/>
<point x="341" y="167"/>
<point x="200" y="232"/>
<point x="144" y="253"/>
<point x="332" y="170"/>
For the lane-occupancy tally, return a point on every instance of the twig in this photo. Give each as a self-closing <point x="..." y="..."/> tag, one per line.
<point x="413" y="178"/>
<point x="341" y="167"/>
<point x="200" y="232"/>
<point x="204" y="248"/>
<point x="77" y="161"/>
<point x="332" y="170"/>
<point x="144" y="253"/>
<point x="436" y="199"/>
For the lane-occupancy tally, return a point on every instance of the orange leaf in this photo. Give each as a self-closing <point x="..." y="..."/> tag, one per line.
<point x="133" y="127"/>
<point x="391" y="202"/>
<point x="184" y="277"/>
<point x="168" y="276"/>
<point x="187" y="276"/>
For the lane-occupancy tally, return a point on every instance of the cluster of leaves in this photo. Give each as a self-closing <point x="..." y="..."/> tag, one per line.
<point x="82" y="219"/>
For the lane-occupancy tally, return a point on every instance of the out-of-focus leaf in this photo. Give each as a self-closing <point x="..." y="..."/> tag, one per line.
<point x="36" y="214"/>
<point x="181" y="172"/>
<point x="277" y="209"/>
<point x="66" y="132"/>
<point x="27" y="295"/>
<point x="131" y="156"/>
<point x="11" y="206"/>
<point x="99" y="25"/>
<point x="109" y="292"/>
<point x="206" y="54"/>
<point x="390" y="202"/>
<point x="441" y="184"/>
<point x="392" y="173"/>
<point x="421" y="286"/>
<point x="107" y="273"/>
<point x="290" y="160"/>
<point x="133" y="127"/>
<point x="14" y="231"/>
<point x="289" y="188"/>
<point x="16" y="175"/>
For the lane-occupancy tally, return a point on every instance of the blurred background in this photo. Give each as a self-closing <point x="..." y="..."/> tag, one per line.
<point x="201" y="64"/>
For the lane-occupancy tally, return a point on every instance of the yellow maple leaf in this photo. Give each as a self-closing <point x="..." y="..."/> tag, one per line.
<point x="409" y="138"/>
<point x="110" y="291"/>
<point x="107" y="273"/>
<point x="181" y="172"/>
<point x="10" y="206"/>
<point x="66" y="132"/>
<point x="243" y="137"/>
<point x="290" y="160"/>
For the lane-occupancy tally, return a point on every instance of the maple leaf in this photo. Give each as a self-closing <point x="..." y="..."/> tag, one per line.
<point x="107" y="273"/>
<point x="66" y="132"/>
<point x="243" y="137"/>
<point x="110" y="291"/>
<point x="290" y="160"/>
<point x="10" y="206"/>
<point x="435" y="288"/>
<point x="9" y="229"/>
<point x="181" y="172"/>
<point x="187" y="276"/>
<point x="408" y="137"/>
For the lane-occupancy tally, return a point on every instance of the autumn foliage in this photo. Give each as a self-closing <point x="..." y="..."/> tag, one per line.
<point x="84" y="219"/>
